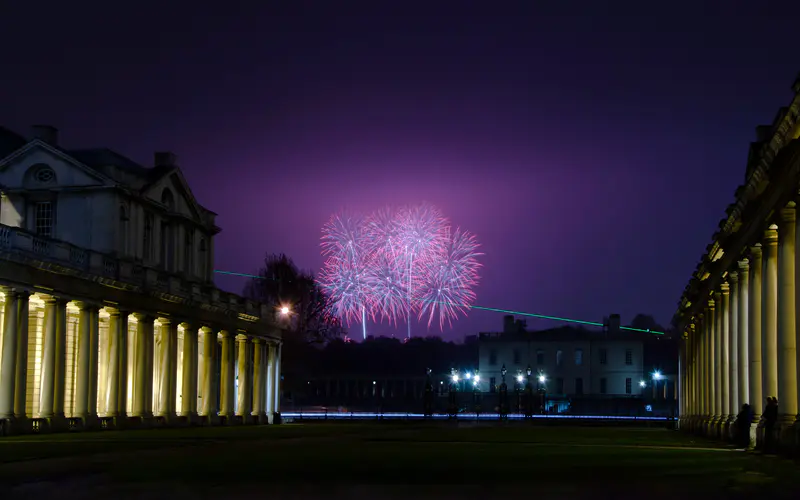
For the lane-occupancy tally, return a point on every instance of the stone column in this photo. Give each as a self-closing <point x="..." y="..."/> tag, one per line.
<point x="227" y="376"/>
<point x="717" y="361"/>
<point x="787" y="327"/>
<point x="733" y="349"/>
<point x="754" y="344"/>
<point x="769" y="320"/>
<point x="122" y="385"/>
<point x="48" y="377"/>
<point x="8" y="363"/>
<point x="61" y="359"/>
<point x="189" y="372"/>
<point x="144" y="329"/>
<point x="269" y="402"/>
<point x="742" y="337"/>
<point x="83" y="365"/>
<point x="115" y="341"/>
<point x="166" y="396"/>
<point x="258" y="380"/>
<point x="94" y="360"/>
<point x="277" y="392"/>
<point x="21" y="382"/>
<point x="724" y="357"/>
<point x="709" y="365"/>
<point x="243" y="403"/>
<point x="149" y="374"/>
<point x="209" y="348"/>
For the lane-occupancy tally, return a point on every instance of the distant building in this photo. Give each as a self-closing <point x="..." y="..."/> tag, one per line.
<point x="572" y="361"/>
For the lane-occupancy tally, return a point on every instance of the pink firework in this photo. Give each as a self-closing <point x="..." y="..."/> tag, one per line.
<point x="346" y="287"/>
<point x="387" y="287"/>
<point x="447" y="279"/>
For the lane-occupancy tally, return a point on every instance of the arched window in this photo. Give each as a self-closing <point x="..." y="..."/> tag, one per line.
<point x="168" y="200"/>
<point x="123" y="230"/>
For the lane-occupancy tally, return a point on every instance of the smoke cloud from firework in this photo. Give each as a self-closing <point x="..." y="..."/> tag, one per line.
<point x="395" y="263"/>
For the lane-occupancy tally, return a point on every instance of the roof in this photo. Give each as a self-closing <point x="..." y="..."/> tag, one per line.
<point x="563" y="334"/>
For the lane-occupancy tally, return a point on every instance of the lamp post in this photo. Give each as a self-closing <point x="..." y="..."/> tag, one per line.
<point x="528" y="394"/>
<point x="476" y="394"/>
<point x="503" y="393"/>
<point x="518" y="390"/>
<point x="453" y="391"/>
<point x="656" y="377"/>
<point x="542" y="391"/>
<point x="427" y="399"/>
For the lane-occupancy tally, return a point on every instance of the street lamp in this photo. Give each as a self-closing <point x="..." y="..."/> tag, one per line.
<point x="656" y="377"/>
<point x="503" y="393"/>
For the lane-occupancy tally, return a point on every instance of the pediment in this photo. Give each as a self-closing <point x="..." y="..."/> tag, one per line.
<point x="181" y="197"/>
<point x="28" y="168"/>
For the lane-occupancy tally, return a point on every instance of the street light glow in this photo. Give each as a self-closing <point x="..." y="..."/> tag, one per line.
<point x="455" y="378"/>
<point x="284" y="310"/>
<point x="657" y="375"/>
<point x="519" y="378"/>
<point x="468" y="375"/>
<point x="476" y="379"/>
<point x="542" y="379"/>
<point x="642" y="383"/>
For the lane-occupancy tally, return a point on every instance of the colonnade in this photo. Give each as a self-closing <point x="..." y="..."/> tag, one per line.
<point x="742" y="349"/>
<point x="70" y="363"/>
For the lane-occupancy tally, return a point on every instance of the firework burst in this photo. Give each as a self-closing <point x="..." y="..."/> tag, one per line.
<point x="395" y="263"/>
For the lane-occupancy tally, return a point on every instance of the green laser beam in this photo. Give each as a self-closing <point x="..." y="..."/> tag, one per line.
<point x="494" y="309"/>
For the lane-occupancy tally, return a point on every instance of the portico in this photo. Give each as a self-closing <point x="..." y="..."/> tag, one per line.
<point x="738" y="313"/>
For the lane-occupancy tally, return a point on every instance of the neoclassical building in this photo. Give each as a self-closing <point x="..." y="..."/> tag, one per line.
<point x="739" y="310"/>
<point x="108" y="312"/>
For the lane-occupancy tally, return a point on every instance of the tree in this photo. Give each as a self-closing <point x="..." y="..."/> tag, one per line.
<point x="281" y="283"/>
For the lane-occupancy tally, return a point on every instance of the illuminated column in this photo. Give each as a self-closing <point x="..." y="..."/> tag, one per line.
<point x="209" y="348"/>
<point x="258" y="379"/>
<point x="733" y="348"/>
<point x="48" y="378"/>
<point x="166" y="397"/>
<point x="717" y="361"/>
<point x="769" y="320"/>
<point x="189" y="371"/>
<point x="94" y="363"/>
<point x="270" y="396"/>
<point x="82" y="367"/>
<point x="243" y="405"/>
<point x="277" y="390"/>
<point x="8" y="363"/>
<point x="227" y="376"/>
<point x="754" y="343"/>
<point x="144" y="328"/>
<point x="21" y="382"/>
<point x="709" y="364"/>
<point x="149" y="372"/>
<point x="61" y="359"/>
<point x="742" y="337"/>
<point x="724" y="356"/>
<point x="117" y="329"/>
<point x="787" y="327"/>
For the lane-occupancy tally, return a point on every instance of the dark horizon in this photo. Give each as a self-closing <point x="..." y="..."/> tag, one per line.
<point x="590" y="153"/>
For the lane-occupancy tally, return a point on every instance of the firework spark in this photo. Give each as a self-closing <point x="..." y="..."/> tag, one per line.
<point x="395" y="263"/>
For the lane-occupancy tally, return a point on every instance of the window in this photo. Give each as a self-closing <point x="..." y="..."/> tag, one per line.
<point x="43" y="217"/>
<point x="492" y="384"/>
<point x="203" y="258"/>
<point x="167" y="246"/>
<point x="168" y="200"/>
<point x="493" y="357"/>
<point x="123" y="230"/>
<point x="603" y="385"/>
<point x="44" y="175"/>
<point x="559" y="385"/>
<point x="578" y="386"/>
<point x="578" y="357"/>
<point x="516" y="357"/>
<point x="188" y="252"/>
<point x="539" y="357"/>
<point x="628" y="356"/>
<point x="603" y="353"/>
<point x="559" y="357"/>
<point x="628" y="386"/>
<point x="147" y="251"/>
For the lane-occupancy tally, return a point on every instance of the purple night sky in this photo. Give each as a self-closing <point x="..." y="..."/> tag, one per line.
<point x="593" y="155"/>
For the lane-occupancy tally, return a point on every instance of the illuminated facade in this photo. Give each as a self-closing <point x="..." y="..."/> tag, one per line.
<point x="738" y="314"/>
<point x="108" y="312"/>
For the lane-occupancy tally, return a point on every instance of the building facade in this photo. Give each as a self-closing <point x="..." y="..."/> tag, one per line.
<point x="108" y="311"/>
<point x="572" y="362"/>
<point x="738" y="313"/>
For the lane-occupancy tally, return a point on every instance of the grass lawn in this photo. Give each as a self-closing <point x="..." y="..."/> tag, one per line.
<point x="563" y="461"/>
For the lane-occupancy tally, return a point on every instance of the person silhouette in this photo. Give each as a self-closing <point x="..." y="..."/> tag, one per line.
<point x="770" y="419"/>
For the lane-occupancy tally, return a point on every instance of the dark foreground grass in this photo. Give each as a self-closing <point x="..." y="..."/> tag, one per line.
<point x="620" y="462"/>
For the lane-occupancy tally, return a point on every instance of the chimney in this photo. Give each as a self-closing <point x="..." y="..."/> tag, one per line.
<point x="508" y="324"/>
<point x="46" y="133"/>
<point x="613" y="323"/>
<point x="165" y="159"/>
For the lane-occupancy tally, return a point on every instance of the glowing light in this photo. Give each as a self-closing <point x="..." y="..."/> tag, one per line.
<point x="476" y="379"/>
<point x="284" y="310"/>
<point x="455" y="378"/>
<point x="520" y="378"/>
<point x="468" y="375"/>
<point x="656" y="375"/>
<point x="542" y="379"/>
<point x="642" y="383"/>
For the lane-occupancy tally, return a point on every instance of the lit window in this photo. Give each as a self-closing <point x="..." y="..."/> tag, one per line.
<point x="44" y="218"/>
